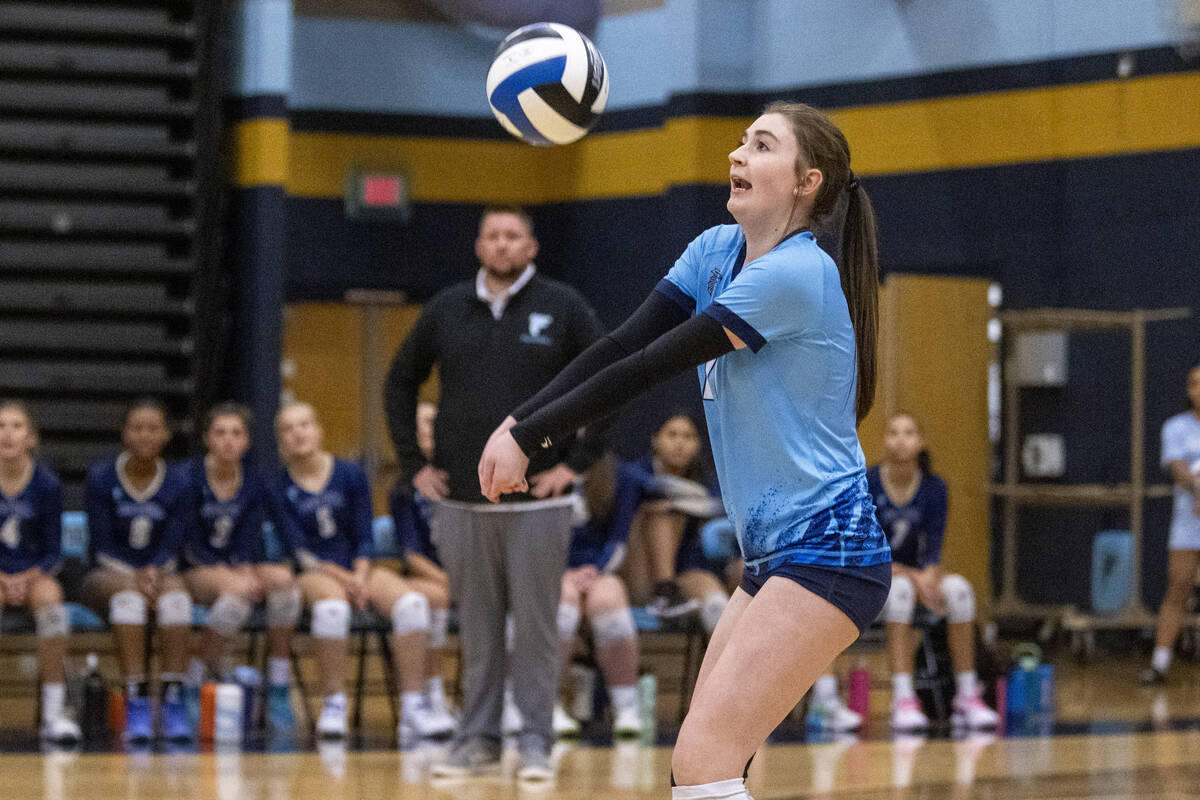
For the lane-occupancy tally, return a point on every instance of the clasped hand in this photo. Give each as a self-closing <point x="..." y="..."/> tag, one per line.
<point x="502" y="466"/>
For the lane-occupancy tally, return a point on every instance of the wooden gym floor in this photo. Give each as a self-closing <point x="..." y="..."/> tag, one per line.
<point x="1111" y="739"/>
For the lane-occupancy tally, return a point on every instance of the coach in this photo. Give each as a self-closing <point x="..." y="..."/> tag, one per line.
<point x="496" y="341"/>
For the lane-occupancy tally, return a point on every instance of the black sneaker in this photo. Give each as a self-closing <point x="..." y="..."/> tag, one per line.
<point x="670" y="602"/>
<point x="1152" y="677"/>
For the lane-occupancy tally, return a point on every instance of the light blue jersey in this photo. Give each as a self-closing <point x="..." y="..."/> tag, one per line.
<point x="1181" y="442"/>
<point x="781" y="411"/>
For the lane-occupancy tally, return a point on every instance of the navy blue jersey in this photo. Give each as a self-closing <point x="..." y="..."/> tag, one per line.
<point x="333" y="524"/>
<point x="599" y="544"/>
<point x="131" y="528"/>
<point x="225" y="531"/>
<point x="410" y="515"/>
<point x="914" y="530"/>
<point x="31" y="524"/>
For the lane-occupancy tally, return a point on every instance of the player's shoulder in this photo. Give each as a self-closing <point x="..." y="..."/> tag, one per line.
<point x="873" y="479"/>
<point x="1180" y="422"/>
<point x="45" y="478"/>
<point x="103" y="471"/>
<point x="934" y="483"/>
<point x="349" y="471"/>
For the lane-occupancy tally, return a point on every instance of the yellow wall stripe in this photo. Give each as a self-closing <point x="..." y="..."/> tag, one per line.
<point x="261" y="153"/>
<point x="1088" y="120"/>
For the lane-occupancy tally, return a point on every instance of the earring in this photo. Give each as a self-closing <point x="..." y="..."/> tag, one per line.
<point x="796" y="190"/>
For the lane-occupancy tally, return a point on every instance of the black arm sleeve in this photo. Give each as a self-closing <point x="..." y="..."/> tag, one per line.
<point x="695" y="342"/>
<point x="655" y="316"/>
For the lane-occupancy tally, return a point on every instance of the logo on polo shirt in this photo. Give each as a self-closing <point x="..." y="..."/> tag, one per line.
<point x="538" y="323"/>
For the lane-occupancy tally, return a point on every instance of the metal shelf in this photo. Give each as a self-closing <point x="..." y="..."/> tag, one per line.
<point x="1015" y="494"/>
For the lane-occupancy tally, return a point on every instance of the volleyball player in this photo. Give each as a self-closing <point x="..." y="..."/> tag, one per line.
<point x="911" y="504"/>
<point x="411" y="513"/>
<point x="224" y="557"/>
<point x="1181" y="458"/>
<point x="30" y="548"/>
<point x="330" y="503"/>
<point x="784" y="342"/>
<point x="135" y="525"/>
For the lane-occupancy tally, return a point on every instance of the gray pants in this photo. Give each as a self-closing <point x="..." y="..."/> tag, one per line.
<point x="500" y="559"/>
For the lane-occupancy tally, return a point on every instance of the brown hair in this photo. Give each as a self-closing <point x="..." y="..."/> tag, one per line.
<point x="24" y="409"/>
<point x="228" y="409"/>
<point x="516" y="211"/>
<point x="824" y="147"/>
<point x="924" y="457"/>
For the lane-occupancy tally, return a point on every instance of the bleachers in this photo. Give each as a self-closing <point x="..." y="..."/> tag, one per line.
<point x="110" y="135"/>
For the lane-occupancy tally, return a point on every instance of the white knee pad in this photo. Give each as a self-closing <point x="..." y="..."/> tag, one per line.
<point x="411" y="615"/>
<point x="228" y="615"/>
<point x="568" y="621"/>
<point x="330" y="619"/>
<point x="127" y="608"/>
<point x="901" y="601"/>
<point x="174" y="610"/>
<point x="283" y="608"/>
<point x="439" y="622"/>
<point x="612" y="627"/>
<point x="960" y="599"/>
<point x="52" y="621"/>
<point x="712" y="609"/>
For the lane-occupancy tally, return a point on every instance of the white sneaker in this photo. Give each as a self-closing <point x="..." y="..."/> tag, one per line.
<point x="511" y="723"/>
<point x="971" y="711"/>
<point x="908" y="716"/>
<point x="422" y="722"/>
<point x="60" y="729"/>
<point x="564" y="723"/>
<point x="836" y="717"/>
<point x="332" y="722"/>
<point x="627" y="721"/>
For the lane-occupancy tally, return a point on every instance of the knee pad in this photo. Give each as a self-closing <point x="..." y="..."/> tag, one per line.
<point x="174" y="609"/>
<point x="960" y="599"/>
<point x="52" y="621"/>
<point x="439" y="621"/>
<point x="410" y="615"/>
<point x="283" y="608"/>
<point x="567" y="621"/>
<point x="712" y="609"/>
<point x="612" y="627"/>
<point x="330" y="619"/>
<point x="901" y="601"/>
<point x="228" y="615"/>
<point x="127" y="608"/>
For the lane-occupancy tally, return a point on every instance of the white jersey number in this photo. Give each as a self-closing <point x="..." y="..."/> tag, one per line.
<point x="10" y="534"/>
<point x="325" y="524"/>
<point x="139" y="533"/>
<point x="222" y="530"/>
<point x="710" y="389"/>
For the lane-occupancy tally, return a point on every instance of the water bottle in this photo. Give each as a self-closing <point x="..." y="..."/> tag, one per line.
<point x="227" y="714"/>
<point x="859" y="694"/>
<point x="95" y="702"/>
<point x="251" y="681"/>
<point x="647" y="689"/>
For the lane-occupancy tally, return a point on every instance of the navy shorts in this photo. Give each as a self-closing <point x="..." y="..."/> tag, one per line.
<point x="858" y="592"/>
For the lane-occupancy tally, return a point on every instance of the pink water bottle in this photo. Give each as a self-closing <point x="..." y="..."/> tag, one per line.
<point x="859" y="694"/>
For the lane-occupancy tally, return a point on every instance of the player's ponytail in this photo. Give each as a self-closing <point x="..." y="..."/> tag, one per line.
<point x="860" y="283"/>
<point x="823" y="146"/>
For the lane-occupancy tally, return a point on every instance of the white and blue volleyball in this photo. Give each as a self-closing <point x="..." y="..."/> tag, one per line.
<point x="548" y="84"/>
